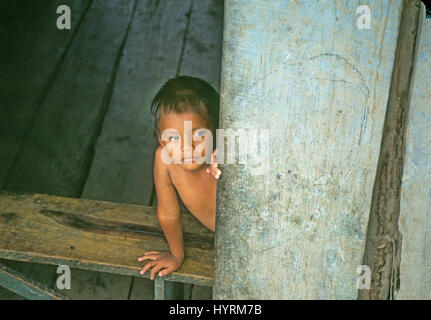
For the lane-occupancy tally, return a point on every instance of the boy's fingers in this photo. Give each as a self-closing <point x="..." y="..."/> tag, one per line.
<point x="146" y="254"/>
<point x="215" y="172"/>
<point x="214" y="157"/>
<point x="147" y="266"/>
<point x="156" y="269"/>
<point x="165" y="272"/>
<point x="152" y="252"/>
<point x="148" y="257"/>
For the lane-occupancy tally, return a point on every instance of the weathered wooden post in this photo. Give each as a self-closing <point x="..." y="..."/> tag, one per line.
<point x="384" y="237"/>
<point x="317" y="75"/>
<point x="415" y="208"/>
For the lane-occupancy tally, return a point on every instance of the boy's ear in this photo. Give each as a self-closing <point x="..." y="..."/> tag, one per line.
<point x="158" y="138"/>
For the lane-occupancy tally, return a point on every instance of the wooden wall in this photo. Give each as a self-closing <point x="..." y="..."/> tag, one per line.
<point x="331" y="95"/>
<point x="415" y="211"/>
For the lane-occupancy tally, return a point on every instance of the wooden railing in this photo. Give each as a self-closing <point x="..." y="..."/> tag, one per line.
<point x="94" y="235"/>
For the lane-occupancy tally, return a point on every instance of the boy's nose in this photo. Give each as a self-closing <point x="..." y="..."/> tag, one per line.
<point x="188" y="151"/>
<point x="188" y="144"/>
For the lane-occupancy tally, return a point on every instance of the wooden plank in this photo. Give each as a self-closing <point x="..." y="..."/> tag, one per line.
<point x="415" y="207"/>
<point x="306" y="72"/>
<point x="383" y="244"/>
<point x="31" y="50"/>
<point x="203" y="47"/>
<point x="85" y="284"/>
<point x="27" y="288"/>
<point x="42" y="273"/>
<point x="159" y="289"/>
<point x="122" y="169"/>
<point x="53" y="159"/>
<point x="141" y="289"/>
<point x="119" y="214"/>
<point x="81" y="234"/>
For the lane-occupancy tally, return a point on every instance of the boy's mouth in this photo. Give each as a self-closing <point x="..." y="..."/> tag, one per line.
<point x="189" y="160"/>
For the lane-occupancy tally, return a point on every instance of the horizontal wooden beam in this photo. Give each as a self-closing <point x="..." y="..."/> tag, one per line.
<point x="30" y="289"/>
<point x="96" y="235"/>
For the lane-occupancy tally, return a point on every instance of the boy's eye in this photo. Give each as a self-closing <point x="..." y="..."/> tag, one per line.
<point x="174" y="138"/>
<point x="199" y="133"/>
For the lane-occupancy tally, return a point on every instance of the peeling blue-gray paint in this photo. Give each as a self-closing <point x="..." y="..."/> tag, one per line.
<point x="305" y="71"/>
<point x="415" y="206"/>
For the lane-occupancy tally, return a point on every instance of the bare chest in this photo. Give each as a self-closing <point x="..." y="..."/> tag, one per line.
<point x="197" y="190"/>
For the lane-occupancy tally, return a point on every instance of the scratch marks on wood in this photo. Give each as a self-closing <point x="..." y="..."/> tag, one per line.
<point x="312" y="89"/>
<point x="264" y="250"/>
<point x="336" y="89"/>
<point x="362" y="86"/>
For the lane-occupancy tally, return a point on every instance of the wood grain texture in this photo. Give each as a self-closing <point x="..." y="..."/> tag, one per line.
<point x="95" y="235"/>
<point x="42" y="273"/>
<point x="159" y="289"/>
<point x="122" y="169"/>
<point x="382" y="250"/>
<point x="203" y="44"/>
<point x="53" y="158"/>
<point x="303" y="70"/>
<point x="415" y="207"/>
<point x="27" y="288"/>
<point x="32" y="48"/>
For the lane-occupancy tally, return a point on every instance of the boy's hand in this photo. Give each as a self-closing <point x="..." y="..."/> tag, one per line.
<point x="213" y="166"/>
<point x="160" y="260"/>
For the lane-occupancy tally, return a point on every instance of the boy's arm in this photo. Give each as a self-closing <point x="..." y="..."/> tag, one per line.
<point x="168" y="209"/>
<point x="168" y="214"/>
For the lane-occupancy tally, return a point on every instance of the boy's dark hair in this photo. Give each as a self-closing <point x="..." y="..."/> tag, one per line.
<point x="186" y="94"/>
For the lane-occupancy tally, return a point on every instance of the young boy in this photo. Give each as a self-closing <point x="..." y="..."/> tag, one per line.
<point x="180" y="101"/>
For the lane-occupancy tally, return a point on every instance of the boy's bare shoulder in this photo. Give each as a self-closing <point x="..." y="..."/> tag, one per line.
<point x="167" y="202"/>
<point x="158" y="163"/>
<point x="161" y="170"/>
<point x="158" y="155"/>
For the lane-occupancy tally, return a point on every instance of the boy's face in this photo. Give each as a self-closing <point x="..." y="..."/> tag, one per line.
<point x="173" y="128"/>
